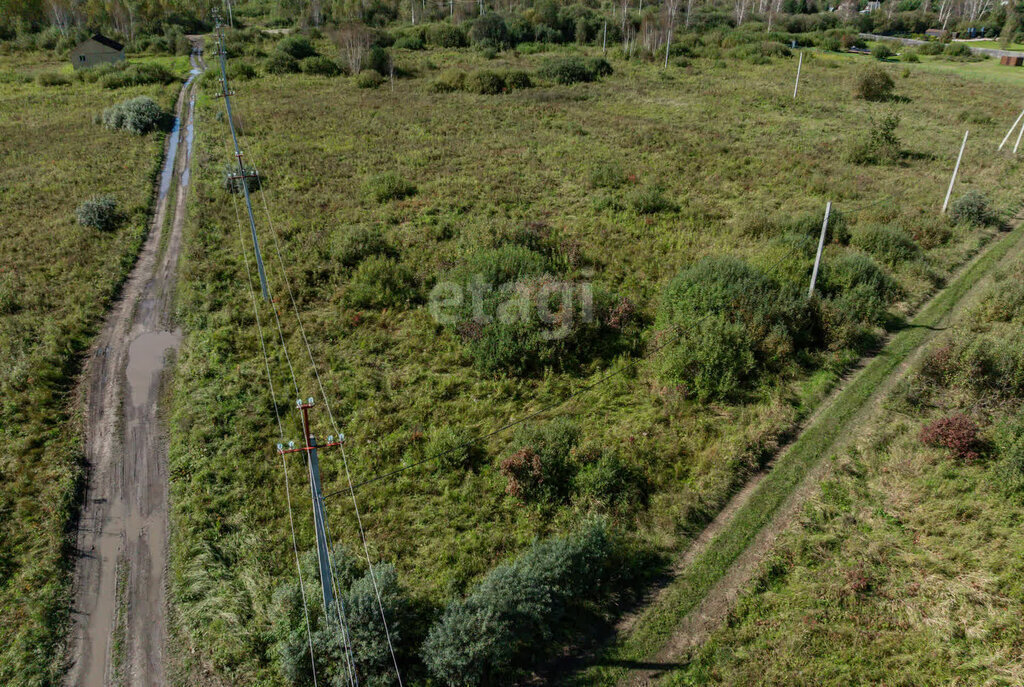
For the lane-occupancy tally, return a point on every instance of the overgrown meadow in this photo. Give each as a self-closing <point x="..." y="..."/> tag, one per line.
<point x="675" y="195"/>
<point x="57" y="277"/>
<point x="906" y="565"/>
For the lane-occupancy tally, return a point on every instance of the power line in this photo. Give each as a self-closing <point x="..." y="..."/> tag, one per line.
<point x="280" y="427"/>
<point x="337" y="429"/>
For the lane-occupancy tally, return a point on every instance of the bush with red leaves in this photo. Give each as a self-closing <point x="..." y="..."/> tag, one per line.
<point x="958" y="433"/>
<point x="523" y="471"/>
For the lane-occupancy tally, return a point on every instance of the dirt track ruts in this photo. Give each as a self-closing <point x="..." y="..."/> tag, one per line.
<point x="118" y="634"/>
<point x="711" y="611"/>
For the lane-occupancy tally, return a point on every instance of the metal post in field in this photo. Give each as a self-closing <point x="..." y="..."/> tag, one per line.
<point x="798" y="67"/>
<point x="604" y="40"/>
<point x="1015" y="123"/>
<point x="821" y="245"/>
<point x="956" y="169"/>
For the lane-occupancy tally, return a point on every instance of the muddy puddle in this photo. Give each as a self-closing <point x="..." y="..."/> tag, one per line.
<point x="146" y="363"/>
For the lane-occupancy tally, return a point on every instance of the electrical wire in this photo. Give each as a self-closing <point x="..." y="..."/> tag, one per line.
<point x="337" y="430"/>
<point x="280" y="427"/>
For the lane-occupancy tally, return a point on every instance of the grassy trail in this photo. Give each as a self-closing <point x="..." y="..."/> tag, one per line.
<point x="659" y="632"/>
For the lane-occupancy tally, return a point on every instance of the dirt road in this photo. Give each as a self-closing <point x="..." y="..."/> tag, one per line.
<point x="118" y="618"/>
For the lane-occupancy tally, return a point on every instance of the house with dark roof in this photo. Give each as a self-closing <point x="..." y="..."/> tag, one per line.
<point x="97" y="49"/>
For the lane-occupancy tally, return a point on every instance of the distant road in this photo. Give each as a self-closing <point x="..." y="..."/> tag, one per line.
<point x="914" y="41"/>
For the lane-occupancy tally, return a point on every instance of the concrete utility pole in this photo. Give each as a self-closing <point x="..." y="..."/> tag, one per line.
<point x="956" y="169"/>
<point x="309" y="447"/>
<point x="798" y="66"/>
<point x="821" y="245"/>
<point x="242" y="175"/>
<point x="1007" y="136"/>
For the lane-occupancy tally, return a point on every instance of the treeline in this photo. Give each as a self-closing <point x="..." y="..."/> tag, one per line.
<point x="160" y="25"/>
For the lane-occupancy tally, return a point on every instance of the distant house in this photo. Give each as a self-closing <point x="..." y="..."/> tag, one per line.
<point x="96" y="50"/>
<point x="936" y="33"/>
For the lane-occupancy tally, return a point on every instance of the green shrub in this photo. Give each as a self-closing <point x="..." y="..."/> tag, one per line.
<point x="909" y="55"/>
<point x="521" y="611"/>
<point x="830" y="44"/>
<point x="855" y="269"/>
<point x="137" y="115"/>
<point x="388" y="186"/>
<point x="52" y="79"/>
<point x="409" y="43"/>
<point x="1008" y="469"/>
<point x="608" y="175"/>
<point x="319" y="65"/>
<point x="377" y="59"/>
<point x="882" y="52"/>
<point x="516" y="79"/>
<point x="368" y="642"/>
<point x="446" y="36"/>
<point x="972" y="208"/>
<point x="788" y="258"/>
<point x="600" y="66"/>
<point x="957" y="50"/>
<point x="453" y="448"/>
<point x="567" y="70"/>
<point x="874" y="84"/>
<point x="353" y="246"/>
<point x="369" y="78"/>
<point x="650" y="200"/>
<point x="138" y="75"/>
<point x="891" y="245"/>
<point x="931" y="48"/>
<point x="515" y="320"/>
<point x="496" y="266"/>
<point x="540" y="469"/>
<point x="99" y="212"/>
<point x="879" y="145"/>
<point x="448" y="81"/>
<point x="298" y="47"/>
<point x="606" y="480"/>
<point x="240" y="71"/>
<point x="733" y="324"/>
<point x="489" y="28"/>
<point x="281" y="63"/>
<point x="380" y="282"/>
<point x="485" y="82"/>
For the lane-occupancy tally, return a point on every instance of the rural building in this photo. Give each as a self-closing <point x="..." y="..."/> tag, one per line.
<point x="936" y="33"/>
<point x="96" y="50"/>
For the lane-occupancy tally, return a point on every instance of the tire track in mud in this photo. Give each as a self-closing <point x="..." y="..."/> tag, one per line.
<point x="118" y="619"/>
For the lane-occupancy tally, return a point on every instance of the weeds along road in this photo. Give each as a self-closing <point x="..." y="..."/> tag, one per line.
<point x="118" y="629"/>
<point x="722" y="561"/>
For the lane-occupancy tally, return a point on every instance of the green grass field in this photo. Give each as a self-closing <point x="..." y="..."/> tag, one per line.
<point x="720" y="139"/>
<point x="56" y="279"/>
<point x="905" y="568"/>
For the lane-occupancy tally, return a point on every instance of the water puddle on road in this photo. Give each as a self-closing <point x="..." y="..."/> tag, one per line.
<point x="145" y="362"/>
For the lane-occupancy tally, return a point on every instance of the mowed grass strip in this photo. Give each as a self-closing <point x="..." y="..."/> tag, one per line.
<point x="656" y="625"/>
